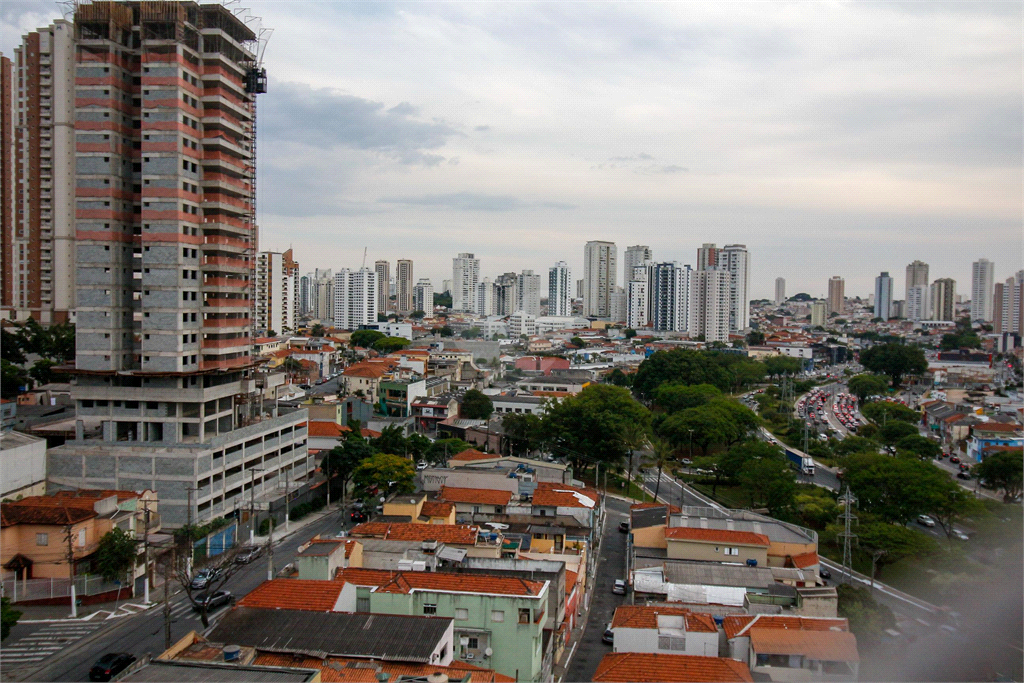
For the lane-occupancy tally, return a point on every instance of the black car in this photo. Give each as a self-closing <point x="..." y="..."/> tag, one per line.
<point x="624" y="527"/>
<point x="109" y="665"/>
<point x="248" y="554"/>
<point x="963" y="475"/>
<point x="357" y="516"/>
<point x="212" y="602"/>
<point x="824" y="573"/>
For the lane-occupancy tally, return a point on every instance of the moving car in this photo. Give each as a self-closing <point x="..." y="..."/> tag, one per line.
<point x="619" y="588"/>
<point x="963" y="475"/>
<point x="204" y="576"/>
<point x="960" y="536"/>
<point x="109" y="665"/>
<point x="925" y="520"/>
<point x="212" y="602"/>
<point x="824" y="573"/>
<point x="248" y="553"/>
<point x="953" y="459"/>
<point x="421" y="465"/>
<point x="357" y="516"/>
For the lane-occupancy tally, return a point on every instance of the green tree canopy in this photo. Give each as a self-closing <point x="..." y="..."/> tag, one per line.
<point x="629" y="332"/>
<point x="895" y="489"/>
<point x="115" y="555"/>
<point x="443" y="299"/>
<point x="682" y="366"/>
<point x="442" y="449"/>
<point x="894" y="541"/>
<point x="1004" y="470"/>
<point x="868" y="618"/>
<point x="341" y="461"/>
<point x="471" y="333"/>
<point x="854" y="444"/>
<point x="523" y="432"/>
<point x="717" y="422"/>
<point x="446" y="331"/>
<point x="769" y="483"/>
<point x="865" y="385"/>
<point x="883" y="412"/>
<point x="12" y="379"/>
<point x="476" y="405"/>
<point x="366" y="338"/>
<point x="317" y="330"/>
<point x="919" y="446"/>
<point x="776" y="366"/>
<point x="386" y="472"/>
<point x="391" y="440"/>
<point x="578" y="342"/>
<point x="755" y="338"/>
<point x="8" y="617"/>
<point x="588" y="427"/>
<point x="892" y="432"/>
<point x="390" y="344"/>
<point x="674" y="397"/>
<point x="895" y="360"/>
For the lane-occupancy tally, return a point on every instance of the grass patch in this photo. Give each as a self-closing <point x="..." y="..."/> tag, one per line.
<point x="616" y="486"/>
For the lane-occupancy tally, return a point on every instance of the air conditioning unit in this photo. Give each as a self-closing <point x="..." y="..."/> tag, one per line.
<point x="469" y="655"/>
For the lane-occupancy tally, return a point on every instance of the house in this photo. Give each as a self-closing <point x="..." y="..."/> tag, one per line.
<point x="415" y="508"/>
<point x="499" y="620"/>
<point x="505" y="405"/>
<point x="429" y="410"/>
<point x="363" y="379"/>
<point x="552" y="386"/>
<point x="542" y="364"/>
<point x="785" y="540"/>
<point x="555" y="499"/>
<point x="716" y="545"/>
<point x="320" y="558"/>
<point x="665" y="629"/>
<point x="302" y="594"/>
<point x="476" y="501"/>
<point x="645" y="667"/>
<point x="785" y="648"/>
<point x="988" y="436"/>
<point x="476" y="542"/>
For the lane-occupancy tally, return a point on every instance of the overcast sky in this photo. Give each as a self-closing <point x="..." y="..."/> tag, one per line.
<point x="832" y="138"/>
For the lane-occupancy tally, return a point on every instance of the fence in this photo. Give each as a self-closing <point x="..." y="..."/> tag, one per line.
<point x="46" y="589"/>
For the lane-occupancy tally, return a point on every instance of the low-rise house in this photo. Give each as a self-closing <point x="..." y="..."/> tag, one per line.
<point x="363" y="378"/>
<point x="429" y="410"/>
<point x="415" y="508"/>
<point x="664" y="629"/>
<point x="552" y="386"/>
<point x="476" y="501"/>
<point x="716" y="545"/>
<point x="302" y="594"/>
<point x="474" y="540"/>
<point x="791" y="649"/>
<point x="520" y="404"/>
<point x="320" y="558"/>
<point x="987" y="437"/>
<point x="645" y="667"/>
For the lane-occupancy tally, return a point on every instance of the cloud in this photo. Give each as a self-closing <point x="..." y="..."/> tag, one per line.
<point x="404" y="109"/>
<point x="669" y="169"/>
<point x="480" y="129"/>
<point x="471" y="201"/>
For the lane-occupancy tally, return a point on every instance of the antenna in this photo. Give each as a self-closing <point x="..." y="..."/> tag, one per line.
<point x="365" y="249"/>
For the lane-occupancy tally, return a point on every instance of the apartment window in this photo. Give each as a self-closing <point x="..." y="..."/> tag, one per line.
<point x="42" y="539"/>
<point x="430" y="608"/>
<point x="461" y="614"/>
<point x="524" y="615"/>
<point x="472" y="643"/>
<point x="675" y="643"/>
<point x="497" y="615"/>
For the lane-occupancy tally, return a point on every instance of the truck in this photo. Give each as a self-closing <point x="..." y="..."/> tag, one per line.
<point x="802" y="463"/>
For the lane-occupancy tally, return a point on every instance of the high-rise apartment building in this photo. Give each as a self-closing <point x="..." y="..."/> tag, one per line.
<point x="836" y="295"/>
<point x="734" y="260"/>
<point x="637" y="303"/>
<point x="403" y="286"/>
<point x="560" y="289"/>
<point x="671" y="286"/>
<point x="1008" y="305"/>
<point x="819" y="313"/>
<point x="276" y="288"/>
<point x="446" y="285"/>
<point x="943" y="299"/>
<point x="37" y="258"/>
<point x="484" y="303"/>
<point x="635" y="256"/>
<point x="528" y="296"/>
<point x="383" y="270"/>
<point x="883" y="296"/>
<point x="982" y="280"/>
<point x="617" y="308"/>
<point x="506" y="294"/>
<point x="355" y="298"/>
<point x="780" y="291"/>
<point x="599" y="270"/>
<point x="707" y="256"/>
<point x="917" y="305"/>
<point x="423" y="296"/>
<point x="305" y="290"/>
<point x="917" y="274"/>
<point x="710" y="301"/>
<point x="465" y="276"/>
<point x="166" y="390"/>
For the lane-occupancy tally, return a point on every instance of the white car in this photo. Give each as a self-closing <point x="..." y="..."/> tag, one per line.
<point x="925" y="520"/>
<point x="421" y="465"/>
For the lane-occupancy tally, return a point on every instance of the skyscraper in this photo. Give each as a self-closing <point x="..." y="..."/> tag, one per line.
<point x="707" y="256"/>
<point x="599" y="266"/>
<point x="780" y="291"/>
<point x="403" y="286"/>
<point x="506" y="294"/>
<point x="733" y="259"/>
<point x="465" y="276"/>
<point x="943" y="299"/>
<point x="423" y="296"/>
<point x="383" y="270"/>
<point x="819" y="313"/>
<point x="633" y="257"/>
<point x="1008" y="305"/>
<point x="484" y="304"/>
<point x="917" y="274"/>
<point x="355" y="298"/>
<point x="637" y="303"/>
<point x="671" y="286"/>
<point x="836" y="295"/>
<point x="529" y="293"/>
<point x="982" y="280"/>
<point x="917" y="305"/>
<point x="37" y="258"/>
<point x="560" y="289"/>
<point x="164" y="187"/>
<point x="276" y="289"/>
<point x="710" y="302"/>
<point x="883" y="296"/>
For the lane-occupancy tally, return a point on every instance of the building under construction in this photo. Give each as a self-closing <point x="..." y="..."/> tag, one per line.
<point x="167" y="392"/>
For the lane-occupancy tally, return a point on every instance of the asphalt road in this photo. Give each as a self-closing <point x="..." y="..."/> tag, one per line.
<point x="144" y="632"/>
<point x="611" y="565"/>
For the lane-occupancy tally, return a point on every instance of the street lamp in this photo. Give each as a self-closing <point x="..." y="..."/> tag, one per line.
<point x="691" y="445"/>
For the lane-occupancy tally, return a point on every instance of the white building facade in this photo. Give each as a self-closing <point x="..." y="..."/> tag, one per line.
<point x="982" y="281"/>
<point x="465" y="277"/>
<point x="355" y="298"/>
<point x="560" y="289"/>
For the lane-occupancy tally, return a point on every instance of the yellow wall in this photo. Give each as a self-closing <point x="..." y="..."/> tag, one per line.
<point x="695" y="550"/>
<point x="355" y="558"/>
<point x="401" y="507"/>
<point x="649" y="537"/>
<point x="777" y="551"/>
<point x="49" y="560"/>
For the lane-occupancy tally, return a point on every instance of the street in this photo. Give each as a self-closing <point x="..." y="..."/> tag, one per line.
<point x="85" y="642"/>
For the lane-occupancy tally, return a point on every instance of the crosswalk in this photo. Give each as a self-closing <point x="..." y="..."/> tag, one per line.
<point x="45" y="642"/>
<point x="182" y="610"/>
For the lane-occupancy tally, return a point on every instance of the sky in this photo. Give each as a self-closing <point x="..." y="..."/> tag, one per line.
<point x="829" y="137"/>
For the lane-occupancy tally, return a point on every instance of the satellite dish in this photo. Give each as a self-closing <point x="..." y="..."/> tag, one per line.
<point x="488" y="652"/>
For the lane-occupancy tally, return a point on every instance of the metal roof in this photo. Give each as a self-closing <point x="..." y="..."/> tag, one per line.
<point x="186" y="672"/>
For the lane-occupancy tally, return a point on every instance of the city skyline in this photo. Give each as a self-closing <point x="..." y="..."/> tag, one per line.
<point x="435" y="158"/>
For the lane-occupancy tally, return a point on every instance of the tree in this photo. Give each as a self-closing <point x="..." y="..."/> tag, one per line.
<point x="682" y="366"/>
<point x="116" y="555"/>
<point x="868" y="618"/>
<point x="442" y="449"/>
<point x="522" y="432"/>
<point x="418" y="315"/>
<point x="890" y="543"/>
<point x="702" y="426"/>
<point x="777" y="366"/>
<point x="10" y="348"/>
<point x="317" y="330"/>
<point x="385" y="473"/>
<point x="755" y="338"/>
<point x="635" y="436"/>
<point x="588" y="427"/>
<point x="854" y="444"/>
<point x="476" y="405"/>
<point x="619" y="378"/>
<point x="391" y="440"/>
<point x="42" y="372"/>
<point x="292" y="366"/>
<point x="8" y="617"/>
<point x="863" y="386"/>
<point x="674" y="397"/>
<point x="629" y="333"/>
<point x="895" y="489"/>
<point x="446" y="331"/>
<point x="13" y="378"/>
<point x="661" y="454"/>
<point x="390" y="344"/>
<point x="951" y="506"/>
<point x="443" y="299"/>
<point x="1004" y="470"/>
<point x="732" y="462"/>
<point x="883" y="412"/>
<point x="578" y="343"/>
<point x="895" y="360"/>
<point x="341" y="461"/>
<point x="892" y="432"/>
<point x="918" y="446"/>
<point x="768" y="482"/>
<point x="366" y="338"/>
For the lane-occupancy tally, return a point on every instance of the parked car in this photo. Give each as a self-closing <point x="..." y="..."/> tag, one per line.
<point x="608" y="637"/>
<point x="204" y="576"/>
<point x="964" y="467"/>
<point x="624" y="527"/>
<point x="963" y="475"/>
<point x="925" y="520"/>
<point x="248" y="553"/>
<point x="358" y="505"/>
<point x="109" y="665"/>
<point x="619" y="588"/>
<point x="953" y="459"/>
<point x="212" y="602"/>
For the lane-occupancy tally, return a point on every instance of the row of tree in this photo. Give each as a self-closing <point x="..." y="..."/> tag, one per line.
<point x="54" y="345"/>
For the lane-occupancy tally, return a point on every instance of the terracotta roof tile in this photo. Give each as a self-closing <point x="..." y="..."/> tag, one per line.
<point x="408" y="582"/>
<point x="835" y="646"/>
<point x="674" y="509"/>
<point x="12" y="514"/>
<point x="549" y="494"/>
<point x="471" y="454"/>
<point x="804" y="560"/>
<point x="341" y="670"/>
<point x="646" y="667"/>
<point x="683" y="533"/>
<point x="436" y="508"/>
<point x="646" y="616"/>
<point x="364" y="577"/>
<point x="460" y="534"/>
<point x="454" y="494"/>
<point x="570" y="581"/>
<point x="326" y="429"/>
<point x="738" y="624"/>
<point x="299" y="594"/>
<point x="368" y="370"/>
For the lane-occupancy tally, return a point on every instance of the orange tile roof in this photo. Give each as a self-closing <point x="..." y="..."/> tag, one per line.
<point x="646" y="616"/>
<point x="461" y="534"/>
<point x="804" y="560"/>
<point x="408" y="582"/>
<point x="645" y="506"/>
<point x="325" y="428"/>
<point x="455" y="494"/>
<point x="472" y="454"/>
<point x="90" y="495"/>
<point x="834" y="646"/>
<point x="683" y="533"/>
<point x="298" y="594"/>
<point x="342" y="670"/>
<point x="570" y="581"/>
<point x="358" y="576"/>
<point x="646" y="667"/>
<point x="369" y="370"/>
<point x="739" y="624"/>
<point x="46" y="515"/>
<point x="436" y="508"/>
<point x="549" y="494"/>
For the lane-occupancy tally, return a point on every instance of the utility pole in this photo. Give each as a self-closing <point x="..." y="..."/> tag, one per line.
<point x="168" y="565"/>
<point x="270" y="550"/>
<point x="145" y="545"/>
<point x="287" y="498"/>
<point x="252" y="503"/>
<point x="190" y="540"/>
<point x="69" y="538"/>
